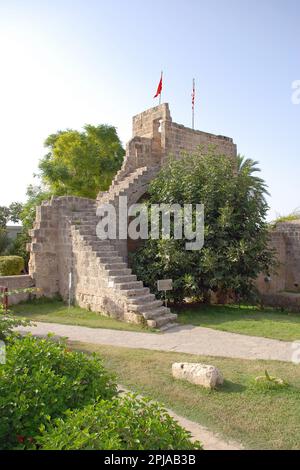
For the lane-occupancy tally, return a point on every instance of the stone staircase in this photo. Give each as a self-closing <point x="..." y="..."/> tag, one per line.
<point x="106" y="257"/>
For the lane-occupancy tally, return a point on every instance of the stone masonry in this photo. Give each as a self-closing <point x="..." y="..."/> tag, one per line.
<point x="64" y="235"/>
<point x="282" y="287"/>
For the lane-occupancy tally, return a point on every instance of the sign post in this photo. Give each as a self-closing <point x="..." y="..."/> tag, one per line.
<point x="70" y="288"/>
<point x="164" y="285"/>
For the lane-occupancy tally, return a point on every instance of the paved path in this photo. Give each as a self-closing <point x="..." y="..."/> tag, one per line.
<point x="186" y="339"/>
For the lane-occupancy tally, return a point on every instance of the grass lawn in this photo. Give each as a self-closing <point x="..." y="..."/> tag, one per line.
<point x="259" y="419"/>
<point x="57" y="312"/>
<point x="245" y="320"/>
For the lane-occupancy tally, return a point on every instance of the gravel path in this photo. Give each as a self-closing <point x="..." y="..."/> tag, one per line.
<point x="186" y="339"/>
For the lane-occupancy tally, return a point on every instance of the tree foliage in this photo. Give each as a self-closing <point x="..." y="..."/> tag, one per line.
<point x="236" y="234"/>
<point x="81" y="163"/>
<point x="8" y="214"/>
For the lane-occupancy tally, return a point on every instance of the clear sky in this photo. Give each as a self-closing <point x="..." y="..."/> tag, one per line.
<point x="64" y="63"/>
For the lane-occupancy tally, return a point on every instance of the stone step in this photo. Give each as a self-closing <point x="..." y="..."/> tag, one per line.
<point x="128" y="285"/>
<point x="97" y="246"/>
<point x="132" y="293"/>
<point x="119" y="272"/>
<point x="88" y="223"/>
<point x="93" y="238"/>
<point x="104" y="258"/>
<point x="161" y="321"/>
<point x="145" y="306"/>
<point x="89" y="216"/>
<point x="109" y="266"/>
<point x="84" y="212"/>
<point x="142" y="298"/>
<point x="105" y="251"/>
<point x="86" y="228"/>
<point x="158" y="312"/>
<point x="123" y="278"/>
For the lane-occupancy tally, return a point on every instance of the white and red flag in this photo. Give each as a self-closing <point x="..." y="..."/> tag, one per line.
<point x="193" y="104"/>
<point x="193" y="95"/>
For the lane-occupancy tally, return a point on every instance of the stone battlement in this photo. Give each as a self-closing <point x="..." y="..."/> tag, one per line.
<point x="155" y="137"/>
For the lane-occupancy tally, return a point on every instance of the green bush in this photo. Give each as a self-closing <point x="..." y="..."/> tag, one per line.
<point x="126" y="423"/>
<point x="8" y="323"/>
<point x="11" y="265"/>
<point x="236" y="247"/>
<point x="40" y="381"/>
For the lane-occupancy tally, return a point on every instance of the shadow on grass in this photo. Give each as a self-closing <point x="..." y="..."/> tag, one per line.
<point x="200" y="314"/>
<point x="231" y="387"/>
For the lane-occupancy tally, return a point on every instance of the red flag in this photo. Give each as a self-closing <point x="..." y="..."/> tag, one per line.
<point x="193" y="96"/>
<point x="159" y="88"/>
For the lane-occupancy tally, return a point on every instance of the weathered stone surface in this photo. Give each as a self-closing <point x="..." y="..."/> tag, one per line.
<point x="282" y="287"/>
<point x="199" y="374"/>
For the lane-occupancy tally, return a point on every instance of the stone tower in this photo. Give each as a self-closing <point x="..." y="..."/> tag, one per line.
<point x="64" y="236"/>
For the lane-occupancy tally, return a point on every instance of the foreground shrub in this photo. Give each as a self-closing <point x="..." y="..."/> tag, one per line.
<point x="11" y="265"/>
<point x="41" y="380"/>
<point x="126" y="423"/>
<point x="8" y="323"/>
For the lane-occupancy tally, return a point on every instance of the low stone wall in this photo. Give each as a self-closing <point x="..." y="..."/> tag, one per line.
<point x="285" y="300"/>
<point x="17" y="282"/>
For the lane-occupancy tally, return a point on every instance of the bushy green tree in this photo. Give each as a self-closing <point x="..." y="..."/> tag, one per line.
<point x="236" y="234"/>
<point x="81" y="163"/>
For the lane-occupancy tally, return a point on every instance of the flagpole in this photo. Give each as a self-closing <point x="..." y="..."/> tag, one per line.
<point x="193" y="105"/>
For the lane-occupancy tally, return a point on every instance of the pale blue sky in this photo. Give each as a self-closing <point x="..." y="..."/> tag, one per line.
<point x="65" y="63"/>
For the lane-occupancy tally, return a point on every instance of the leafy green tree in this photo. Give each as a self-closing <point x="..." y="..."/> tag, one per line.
<point x="7" y="214"/>
<point x="5" y="242"/>
<point x="4" y="216"/>
<point x="15" y="210"/>
<point x="26" y="214"/>
<point x="235" y="249"/>
<point x="81" y="163"/>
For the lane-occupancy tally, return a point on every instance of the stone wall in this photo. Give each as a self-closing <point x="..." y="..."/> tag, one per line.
<point x="179" y="139"/>
<point x="290" y="231"/>
<point x="282" y="287"/>
<point x="51" y="244"/>
<point x="14" y="283"/>
<point x="276" y="281"/>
